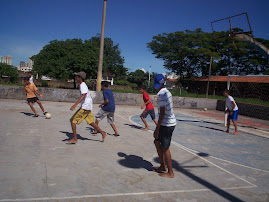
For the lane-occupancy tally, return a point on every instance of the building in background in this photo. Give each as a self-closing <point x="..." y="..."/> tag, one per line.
<point x="22" y="64"/>
<point x="26" y="67"/>
<point x="2" y="60"/>
<point x="8" y="60"/>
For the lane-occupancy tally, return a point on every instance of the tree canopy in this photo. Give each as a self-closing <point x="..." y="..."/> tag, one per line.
<point x="188" y="53"/>
<point x="60" y="59"/>
<point x="10" y="71"/>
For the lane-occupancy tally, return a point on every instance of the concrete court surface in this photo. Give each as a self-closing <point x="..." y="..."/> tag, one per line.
<point x="36" y="164"/>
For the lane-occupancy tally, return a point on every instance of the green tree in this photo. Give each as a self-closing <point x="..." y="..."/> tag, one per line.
<point x="10" y="71"/>
<point x="188" y="54"/>
<point x="138" y="77"/>
<point x="60" y="59"/>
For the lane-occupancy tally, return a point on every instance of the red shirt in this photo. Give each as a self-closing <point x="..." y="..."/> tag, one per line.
<point x="146" y="98"/>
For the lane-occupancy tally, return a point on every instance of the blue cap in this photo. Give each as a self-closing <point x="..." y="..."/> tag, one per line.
<point x="159" y="81"/>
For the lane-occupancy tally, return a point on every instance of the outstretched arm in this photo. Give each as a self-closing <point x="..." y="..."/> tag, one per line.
<point x="104" y="103"/>
<point x="79" y="101"/>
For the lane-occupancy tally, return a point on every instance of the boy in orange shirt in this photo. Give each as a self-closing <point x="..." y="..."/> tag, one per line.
<point x="149" y="108"/>
<point x="31" y="97"/>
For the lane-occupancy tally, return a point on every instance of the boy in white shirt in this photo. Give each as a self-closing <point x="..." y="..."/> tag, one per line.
<point x="164" y="128"/>
<point x="232" y="110"/>
<point x="85" y="111"/>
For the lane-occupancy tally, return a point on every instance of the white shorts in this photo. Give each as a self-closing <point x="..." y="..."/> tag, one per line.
<point x="102" y="114"/>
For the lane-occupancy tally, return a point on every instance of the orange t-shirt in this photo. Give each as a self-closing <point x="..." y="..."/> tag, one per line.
<point x="30" y="90"/>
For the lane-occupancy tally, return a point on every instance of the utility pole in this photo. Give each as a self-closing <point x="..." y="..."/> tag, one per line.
<point x="100" y="64"/>
<point x="149" y="73"/>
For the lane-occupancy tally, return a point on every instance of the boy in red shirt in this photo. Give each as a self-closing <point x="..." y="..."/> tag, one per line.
<point x="149" y="108"/>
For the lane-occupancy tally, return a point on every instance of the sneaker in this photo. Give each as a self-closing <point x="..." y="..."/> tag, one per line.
<point x="45" y="113"/>
<point x="36" y="115"/>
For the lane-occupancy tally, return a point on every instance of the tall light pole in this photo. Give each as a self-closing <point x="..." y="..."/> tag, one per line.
<point x="149" y="73"/>
<point x="100" y="64"/>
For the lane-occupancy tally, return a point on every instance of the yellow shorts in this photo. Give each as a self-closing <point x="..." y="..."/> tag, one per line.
<point x="82" y="114"/>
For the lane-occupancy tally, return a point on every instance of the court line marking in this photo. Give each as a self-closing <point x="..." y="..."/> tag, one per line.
<point x="133" y="194"/>
<point x="125" y="194"/>
<point x="266" y="171"/>
<point x="186" y="149"/>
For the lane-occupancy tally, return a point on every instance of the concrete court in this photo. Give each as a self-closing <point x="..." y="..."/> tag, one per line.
<point x="36" y="164"/>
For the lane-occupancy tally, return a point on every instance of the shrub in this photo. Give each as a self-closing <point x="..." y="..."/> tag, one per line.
<point x="44" y="83"/>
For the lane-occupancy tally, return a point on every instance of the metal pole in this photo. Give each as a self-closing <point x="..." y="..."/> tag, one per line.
<point x="100" y="64"/>
<point x="149" y="73"/>
<point x="209" y="73"/>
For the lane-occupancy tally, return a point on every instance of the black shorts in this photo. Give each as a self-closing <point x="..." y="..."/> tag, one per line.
<point x="165" y="135"/>
<point x="150" y="112"/>
<point x="32" y="99"/>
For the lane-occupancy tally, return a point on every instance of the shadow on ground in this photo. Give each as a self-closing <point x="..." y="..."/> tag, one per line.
<point x="133" y="126"/>
<point x="27" y="114"/>
<point x="133" y="161"/>
<point x="70" y="136"/>
<point x="182" y="169"/>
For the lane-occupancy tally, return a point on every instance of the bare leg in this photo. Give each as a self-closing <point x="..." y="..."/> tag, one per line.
<point x="96" y="127"/>
<point x="155" y="121"/>
<point x="74" y="129"/>
<point x="40" y="105"/>
<point x="168" y="159"/>
<point x="32" y="107"/>
<point x="146" y="124"/>
<point x="96" y="122"/>
<point x="235" y="127"/>
<point x="115" y="129"/>
<point x="161" y="157"/>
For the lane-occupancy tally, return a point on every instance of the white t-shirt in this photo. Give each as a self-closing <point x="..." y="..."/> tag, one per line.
<point x="31" y="79"/>
<point x="164" y="99"/>
<point x="229" y="103"/>
<point x="86" y="103"/>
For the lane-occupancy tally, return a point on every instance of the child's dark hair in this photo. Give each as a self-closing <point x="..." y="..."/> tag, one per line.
<point x="226" y="91"/>
<point x="26" y="78"/>
<point x="104" y="83"/>
<point x="143" y="87"/>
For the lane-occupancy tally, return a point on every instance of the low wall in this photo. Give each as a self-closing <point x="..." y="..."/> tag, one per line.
<point x="255" y="111"/>
<point x="72" y="95"/>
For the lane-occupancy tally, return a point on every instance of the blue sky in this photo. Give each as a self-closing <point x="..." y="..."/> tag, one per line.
<point x="28" y="25"/>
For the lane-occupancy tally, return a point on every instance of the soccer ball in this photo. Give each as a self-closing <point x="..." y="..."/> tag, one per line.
<point x="205" y="109"/>
<point x="48" y="115"/>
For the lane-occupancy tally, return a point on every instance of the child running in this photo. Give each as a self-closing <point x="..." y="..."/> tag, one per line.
<point x="149" y="108"/>
<point x="232" y="110"/>
<point x="85" y="111"/>
<point x="108" y="108"/>
<point x="165" y="127"/>
<point x="31" y="97"/>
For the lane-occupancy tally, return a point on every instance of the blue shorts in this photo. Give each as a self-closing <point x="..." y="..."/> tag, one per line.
<point x="234" y="116"/>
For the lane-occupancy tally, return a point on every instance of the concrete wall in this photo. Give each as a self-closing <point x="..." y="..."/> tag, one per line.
<point x="70" y="95"/>
<point x="255" y="111"/>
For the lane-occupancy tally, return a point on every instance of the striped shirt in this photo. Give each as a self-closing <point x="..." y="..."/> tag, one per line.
<point x="165" y="100"/>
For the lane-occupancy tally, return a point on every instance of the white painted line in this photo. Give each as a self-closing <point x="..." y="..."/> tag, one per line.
<point x="125" y="194"/>
<point x="266" y="171"/>
<point x="184" y="148"/>
<point x="194" y="153"/>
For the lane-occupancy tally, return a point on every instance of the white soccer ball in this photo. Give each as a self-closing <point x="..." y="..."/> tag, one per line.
<point x="48" y="115"/>
<point x="205" y="109"/>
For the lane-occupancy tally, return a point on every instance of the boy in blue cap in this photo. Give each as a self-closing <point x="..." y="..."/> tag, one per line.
<point x="165" y="127"/>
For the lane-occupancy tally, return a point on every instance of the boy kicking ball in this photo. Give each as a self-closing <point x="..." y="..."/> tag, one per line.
<point x="85" y="111"/>
<point x="31" y="97"/>
<point x="165" y="127"/>
<point x="232" y="110"/>
<point x="149" y="108"/>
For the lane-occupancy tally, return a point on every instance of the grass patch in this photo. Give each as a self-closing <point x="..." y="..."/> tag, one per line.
<point x="12" y="84"/>
<point x="126" y="91"/>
